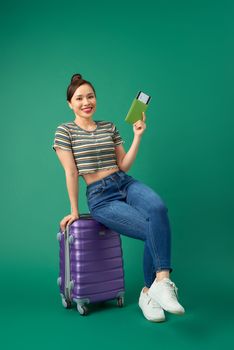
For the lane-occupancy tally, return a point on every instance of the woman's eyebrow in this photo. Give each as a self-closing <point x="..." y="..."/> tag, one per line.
<point x="90" y="93"/>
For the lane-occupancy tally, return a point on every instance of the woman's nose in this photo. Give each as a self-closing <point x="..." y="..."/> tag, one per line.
<point x="86" y="102"/>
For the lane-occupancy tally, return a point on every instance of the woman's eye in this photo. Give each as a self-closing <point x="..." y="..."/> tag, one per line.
<point x="79" y="98"/>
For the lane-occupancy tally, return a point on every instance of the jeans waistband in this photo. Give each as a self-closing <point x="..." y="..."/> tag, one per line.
<point x="114" y="175"/>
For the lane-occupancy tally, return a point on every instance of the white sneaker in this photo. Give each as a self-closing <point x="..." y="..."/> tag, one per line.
<point x="165" y="293"/>
<point x="150" y="308"/>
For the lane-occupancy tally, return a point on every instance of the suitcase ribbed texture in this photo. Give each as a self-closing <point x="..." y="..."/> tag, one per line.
<point x="96" y="261"/>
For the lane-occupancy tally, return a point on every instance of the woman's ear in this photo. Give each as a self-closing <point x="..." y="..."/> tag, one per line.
<point x="69" y="104"/>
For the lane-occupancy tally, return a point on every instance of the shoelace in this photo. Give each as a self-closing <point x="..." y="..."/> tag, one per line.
<point x="154" y="303"/>
<point x="174" y="289"/>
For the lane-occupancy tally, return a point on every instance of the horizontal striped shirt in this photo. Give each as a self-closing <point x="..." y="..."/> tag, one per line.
<point x="92" y="150"/>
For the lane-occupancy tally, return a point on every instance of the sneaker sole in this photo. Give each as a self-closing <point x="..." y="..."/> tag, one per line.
<point x="168" y="310"/>
<point x="173" y="311"/>
<point x="151" y="319"/>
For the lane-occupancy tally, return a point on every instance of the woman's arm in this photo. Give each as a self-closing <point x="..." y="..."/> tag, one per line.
<point x="72" y="188"/>
<point x="125" y="160"/>
<point x="67" y="160"/>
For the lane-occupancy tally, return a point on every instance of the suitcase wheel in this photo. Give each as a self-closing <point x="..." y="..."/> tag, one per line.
<point x="82" y="309"/>
<point x="66" y="303"/>
<point x="120" y="301"/>
<point x="59" y="281"/>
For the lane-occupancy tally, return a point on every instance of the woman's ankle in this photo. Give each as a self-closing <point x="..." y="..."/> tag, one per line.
<point x="162" y="274"/>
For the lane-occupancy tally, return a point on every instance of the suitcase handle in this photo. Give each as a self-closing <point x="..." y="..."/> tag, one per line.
<point x="82" y="216"/>
<point x="85" y="216"/>
<point x="67" y="288"/>
<point x="68" y="283"/>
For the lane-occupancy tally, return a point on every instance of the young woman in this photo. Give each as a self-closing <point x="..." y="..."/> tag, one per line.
<point x="94" y="150"/>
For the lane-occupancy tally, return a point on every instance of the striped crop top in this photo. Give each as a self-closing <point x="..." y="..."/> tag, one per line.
<point x="92" y="150"/>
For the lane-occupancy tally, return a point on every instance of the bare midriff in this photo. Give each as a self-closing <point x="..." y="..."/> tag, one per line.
<point x="98" y="175"/>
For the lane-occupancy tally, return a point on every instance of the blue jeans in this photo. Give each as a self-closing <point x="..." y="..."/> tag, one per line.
<point x="129" y="207"/>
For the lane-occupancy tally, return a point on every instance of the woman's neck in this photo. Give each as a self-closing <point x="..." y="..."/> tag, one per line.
<point x="86" y="123"/>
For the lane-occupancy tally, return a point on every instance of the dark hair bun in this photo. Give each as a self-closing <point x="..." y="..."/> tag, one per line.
<point x="76" y="77"/>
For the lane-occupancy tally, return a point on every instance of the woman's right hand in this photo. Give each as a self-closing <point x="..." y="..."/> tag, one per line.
<point x="67" y="220"/>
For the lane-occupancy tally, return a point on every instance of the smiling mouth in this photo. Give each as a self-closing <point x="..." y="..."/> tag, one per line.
<point x="87" y="109"/>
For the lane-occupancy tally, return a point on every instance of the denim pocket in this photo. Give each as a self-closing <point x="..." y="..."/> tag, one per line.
<point x="95" y="192"/>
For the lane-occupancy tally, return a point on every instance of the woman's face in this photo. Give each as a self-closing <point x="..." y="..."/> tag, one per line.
<point x="83" y="101"/>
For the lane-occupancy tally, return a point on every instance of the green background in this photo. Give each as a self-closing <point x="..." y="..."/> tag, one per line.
<point x="179" y="52"/>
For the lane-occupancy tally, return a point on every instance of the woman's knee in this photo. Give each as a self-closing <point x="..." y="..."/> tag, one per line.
<point x="157" y="204"/>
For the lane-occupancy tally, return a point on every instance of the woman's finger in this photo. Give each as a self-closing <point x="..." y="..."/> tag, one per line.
<point x="143" y="116"/>
<point x="63" y="224"/>
<point x="67" y="220"/>
<point x="138" y="122"/>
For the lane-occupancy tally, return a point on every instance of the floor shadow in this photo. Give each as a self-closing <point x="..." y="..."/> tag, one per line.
<point x="209" y="313"/>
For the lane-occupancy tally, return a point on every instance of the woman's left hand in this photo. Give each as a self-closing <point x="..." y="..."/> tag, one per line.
<point x="140" y="126"/>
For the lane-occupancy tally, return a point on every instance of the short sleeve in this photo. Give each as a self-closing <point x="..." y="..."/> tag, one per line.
<point x="116" y="136"/>
<point x="62" y="139"/>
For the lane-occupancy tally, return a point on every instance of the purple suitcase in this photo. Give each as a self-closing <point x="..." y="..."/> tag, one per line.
<point x="91" y="264"/>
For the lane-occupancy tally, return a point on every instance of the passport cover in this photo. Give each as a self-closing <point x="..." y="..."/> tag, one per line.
<point x="135" y="111"/>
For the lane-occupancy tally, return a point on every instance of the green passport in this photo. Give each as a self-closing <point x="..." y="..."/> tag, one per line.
<point x="139" y="105"/>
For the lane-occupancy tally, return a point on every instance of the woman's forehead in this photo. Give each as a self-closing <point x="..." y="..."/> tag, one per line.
<point x="83" y="90"/>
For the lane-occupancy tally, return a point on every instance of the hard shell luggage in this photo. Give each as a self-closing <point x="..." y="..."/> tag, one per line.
<point x="90" y="264"/>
